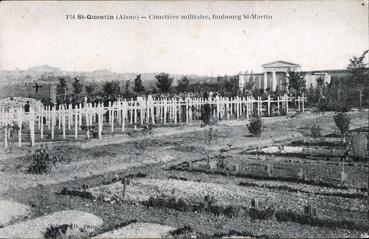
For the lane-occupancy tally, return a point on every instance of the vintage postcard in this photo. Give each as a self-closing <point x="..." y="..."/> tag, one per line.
<point x="184" y="119"/>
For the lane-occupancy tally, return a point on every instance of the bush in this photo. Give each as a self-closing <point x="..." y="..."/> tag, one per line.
<point x="315" y="131"/>
<point x="205" y="114"/>
<point x="283" y="111"/>
<point x="231" y="211"/>
<point x="264" y="214"/>
<point x="255" y="126"/>
<point x="67" y="231"/>
<point x="181" y="231"/>
<point x="342" y="121"/>
<point x="41" y="161"/>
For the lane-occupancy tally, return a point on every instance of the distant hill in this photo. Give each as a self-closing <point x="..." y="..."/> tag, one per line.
<point x="20" y="82"/>
<point x="47" y="74"/>
<point x="44" y="69"/>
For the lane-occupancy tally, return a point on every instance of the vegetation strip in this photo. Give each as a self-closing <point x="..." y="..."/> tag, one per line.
<point x="255" y="214"/>
<point x="266" y="178"/>
<point x="290" y="189"/>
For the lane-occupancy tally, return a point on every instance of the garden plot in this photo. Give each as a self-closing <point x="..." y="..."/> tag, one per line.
<point x="141" y="190"/>
<point x="324" y="142"/>
<point x="81" y="169"/>
<point x="139" y="230"/>
<point x="12" y="211"/>
<point x="81" y="224"/>
<point x="284" y="169"/>
<point x="299" y="151"/>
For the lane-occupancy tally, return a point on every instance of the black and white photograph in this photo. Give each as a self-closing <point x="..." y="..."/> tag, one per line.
<point x="184" y="119"/>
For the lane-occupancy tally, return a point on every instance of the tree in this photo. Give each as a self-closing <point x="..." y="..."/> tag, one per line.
<point x="183" y="84"/>
<point x="111" y="89"/>
<point x="127" y="94"/>
<point x="61" y="89"/>
<point x="77" y="86"/>
<point x="297" y="83"/>
<point x="231" y="86"/>
<point x="249" y="86"/>
<point x="90" y="89"/>
<point x="164" y="82"/>
<point x="255" y="126"/>
<point x="359" y="80"/>
<point x="358" y="68"/>
<point x="138" y="87"/>
<point x="342" y="121"/>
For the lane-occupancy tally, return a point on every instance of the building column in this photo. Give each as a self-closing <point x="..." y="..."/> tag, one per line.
<point x="287" y="81"/>
<point x="241" y="81"/>
<point x="274" y="81"/>
<point x="265" y="80"/>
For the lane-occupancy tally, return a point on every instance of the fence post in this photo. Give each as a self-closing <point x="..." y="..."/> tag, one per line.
<point x="59" y="117"/>
<point x="111" y="110"/>
<point x="123" y="115"/>
<point x="63" y="119"/>
<point x="269" y="111"/>
<point x="287" y="98"/>
<point x="80" y="116"/>
<point x="69" y="116"/>
<point x="39" y="119"/>
<point x="152" y="108"/>
<point x="170" y="110"/>
<point x="135" y="115"/>
<point x="48" y="118"/>
<point x="20" y="120"/>
<point x="76" y="123"/>
<point x="303" y="102"/>
<point x="298" y="104"/>
<point x="141" y="112"/>
<point x="131" y="112"/>
<point x="100" y="118"/>
<point x="165" y="110"/>
<point x="6" y="129"/>
<point x="189" y="109"/>
<point x="175" y="110"/>
<point x="53" y="118"/>
<point x="32" y="125"/>
<point x="42" y="123"/>
<point x="92" y="114"/>
<point x="160" y="112"/>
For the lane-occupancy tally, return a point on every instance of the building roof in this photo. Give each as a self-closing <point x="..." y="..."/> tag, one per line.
<point x="329" y="71"/>
<point x="279" y="63"/>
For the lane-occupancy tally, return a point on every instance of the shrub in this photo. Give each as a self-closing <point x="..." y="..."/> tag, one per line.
<point x="315" y="131"/>
<point x="231" y="211"/>
<point x="143" y="138"/>
<point x="283" y="111"/>
<point x="342" y="121"/>
<point x="255" y="126"/>
<point x="263" y="214"/>
<point x="67" y="231"/>
<point x="41" y="161"/>
<point x="182" y="205"/>
<point x="181" y="231"/>
<point x="205" y="114"/>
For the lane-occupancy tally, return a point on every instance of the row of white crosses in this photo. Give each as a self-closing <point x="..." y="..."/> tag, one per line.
<point x="133" y="112"/>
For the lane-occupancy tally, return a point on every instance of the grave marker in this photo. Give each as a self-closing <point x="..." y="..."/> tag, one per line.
<point x="256" y="204"/>
<point x="359" y="144"/>
<point x="310" y="211"/>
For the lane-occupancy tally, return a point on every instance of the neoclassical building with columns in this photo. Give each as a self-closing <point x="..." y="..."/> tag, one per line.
<point x="274" y="76"/>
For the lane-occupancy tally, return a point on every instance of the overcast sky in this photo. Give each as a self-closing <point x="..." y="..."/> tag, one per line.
<point x="314" y="34"/>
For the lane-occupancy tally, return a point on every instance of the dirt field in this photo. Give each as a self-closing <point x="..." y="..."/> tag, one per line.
<point x="206" y="186"/>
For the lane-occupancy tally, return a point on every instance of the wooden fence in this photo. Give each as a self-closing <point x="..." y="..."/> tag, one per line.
<point x="90" y="118"/>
